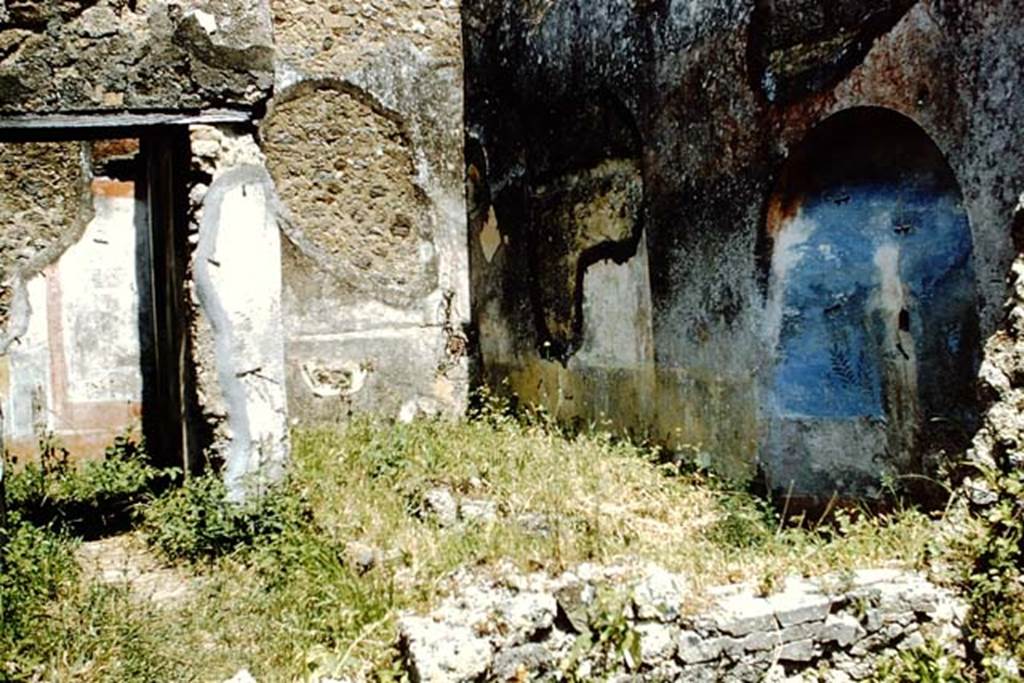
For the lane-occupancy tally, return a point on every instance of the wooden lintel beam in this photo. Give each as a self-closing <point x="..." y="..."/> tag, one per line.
<point x="116" y="120"/>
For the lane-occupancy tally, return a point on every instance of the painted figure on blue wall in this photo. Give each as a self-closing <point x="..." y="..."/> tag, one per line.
<point x="871" y="309"/>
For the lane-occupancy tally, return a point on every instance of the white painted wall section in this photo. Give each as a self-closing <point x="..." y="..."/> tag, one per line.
<point x="238" y="279"/>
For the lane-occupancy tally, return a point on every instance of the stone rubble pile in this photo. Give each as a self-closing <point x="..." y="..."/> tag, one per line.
<point x="534" y="627"/>
<point x="999" y="443"/>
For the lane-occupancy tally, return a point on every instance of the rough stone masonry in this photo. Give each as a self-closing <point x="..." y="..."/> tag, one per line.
<point x="514" y="627"/>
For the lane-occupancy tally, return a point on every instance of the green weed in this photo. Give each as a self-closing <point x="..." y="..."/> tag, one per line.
<point x="995" y="582"/>
<point x="196" y="522"/>
<point x="930" y="663"/>
<point x="88" y="499"/>
<point x="36" y="565"/>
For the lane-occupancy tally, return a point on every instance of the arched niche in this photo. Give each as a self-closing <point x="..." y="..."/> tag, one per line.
<point x="871" y="311"/>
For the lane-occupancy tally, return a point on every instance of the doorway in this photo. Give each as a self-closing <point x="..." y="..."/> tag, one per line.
<point x="94" y="335"/>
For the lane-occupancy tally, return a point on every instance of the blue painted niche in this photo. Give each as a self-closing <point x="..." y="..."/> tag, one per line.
<point x="871" y="311"/>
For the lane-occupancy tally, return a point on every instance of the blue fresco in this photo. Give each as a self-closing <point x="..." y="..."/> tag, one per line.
<point x="832" y="335"/>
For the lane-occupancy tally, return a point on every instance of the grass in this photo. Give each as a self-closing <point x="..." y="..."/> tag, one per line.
<point x="284" y="594"/>
<point x="89" y="500"/>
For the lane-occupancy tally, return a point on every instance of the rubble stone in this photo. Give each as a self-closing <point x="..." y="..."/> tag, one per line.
<point x="442" y="653"/>
<point x="658" y="596"/>
<point x="513" y="618"/>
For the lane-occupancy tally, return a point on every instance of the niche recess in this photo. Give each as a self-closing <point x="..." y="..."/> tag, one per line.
<point x="871" y="311"/>
<point x="94" y="335"/>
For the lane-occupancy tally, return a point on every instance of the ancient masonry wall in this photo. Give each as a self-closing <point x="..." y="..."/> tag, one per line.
<point x="325" y="271"/>
<point x="363" y="140"/>
<point x="622" y="624"/>
<point x="999" y="444"/>
<point x="353" y="295"/>
<point x="642" y="216"/>
<point x="649" y="248"/>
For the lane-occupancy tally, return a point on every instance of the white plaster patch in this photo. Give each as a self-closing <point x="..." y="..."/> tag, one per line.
<point x="206" y="20"/>
<point x="890" y="298"/>
<point x="100" y="305"/>
<point x="490" y="236"/>
<point x="894" y="302"/>
<point x="28" y="399"/>
<point x="617" y="327"/>
<point x="426" y="252"/>
<point x="787" y="254"/>
<point x="238" y="277"/>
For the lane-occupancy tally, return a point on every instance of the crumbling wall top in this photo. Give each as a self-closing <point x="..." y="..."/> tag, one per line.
<point x="60" y="56"/>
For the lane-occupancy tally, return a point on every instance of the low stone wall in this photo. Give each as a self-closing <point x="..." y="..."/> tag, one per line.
<point x="626" y="625"/>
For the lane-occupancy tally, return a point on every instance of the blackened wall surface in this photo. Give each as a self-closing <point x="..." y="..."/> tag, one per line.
<point x="706" y="100"/>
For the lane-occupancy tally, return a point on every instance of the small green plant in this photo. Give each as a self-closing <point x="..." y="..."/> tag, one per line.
<point x="101" y="632"/>
<point x="90" y="499"/>
<point x="608" y="643"/>
<point x="746" y="523"/>
<point x="35" y="567"/>
<point x="770" y="583"/>
<point x="930" y="663"/>
<point x="197" y="521"/>
<point x="995" y="585"/>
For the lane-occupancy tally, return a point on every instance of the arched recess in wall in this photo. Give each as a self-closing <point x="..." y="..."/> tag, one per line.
<point x="871" y="310"/>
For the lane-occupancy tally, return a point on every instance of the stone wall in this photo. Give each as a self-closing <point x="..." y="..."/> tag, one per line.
<point x="325" y="269"/>
<point x="634" y="215"/>
<point x="999" y="443"/>
<point x="363" y="286"/>
<point x="710" y="103"/>
<point x="627" y="625"/>
<point x="116" y="55"/>
<point x="363" y="139"/>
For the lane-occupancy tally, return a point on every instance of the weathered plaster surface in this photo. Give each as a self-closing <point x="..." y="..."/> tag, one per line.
<point x="718" y="94"/>
<point x="799" y="47"/>
<point x="239" y="340"/>
<point x="72" y="368"/>
<point x="871" y="308"/>
<point x="80" y="55"/>
<point x="364" y="142"/>
<point x="583" y="216"/>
